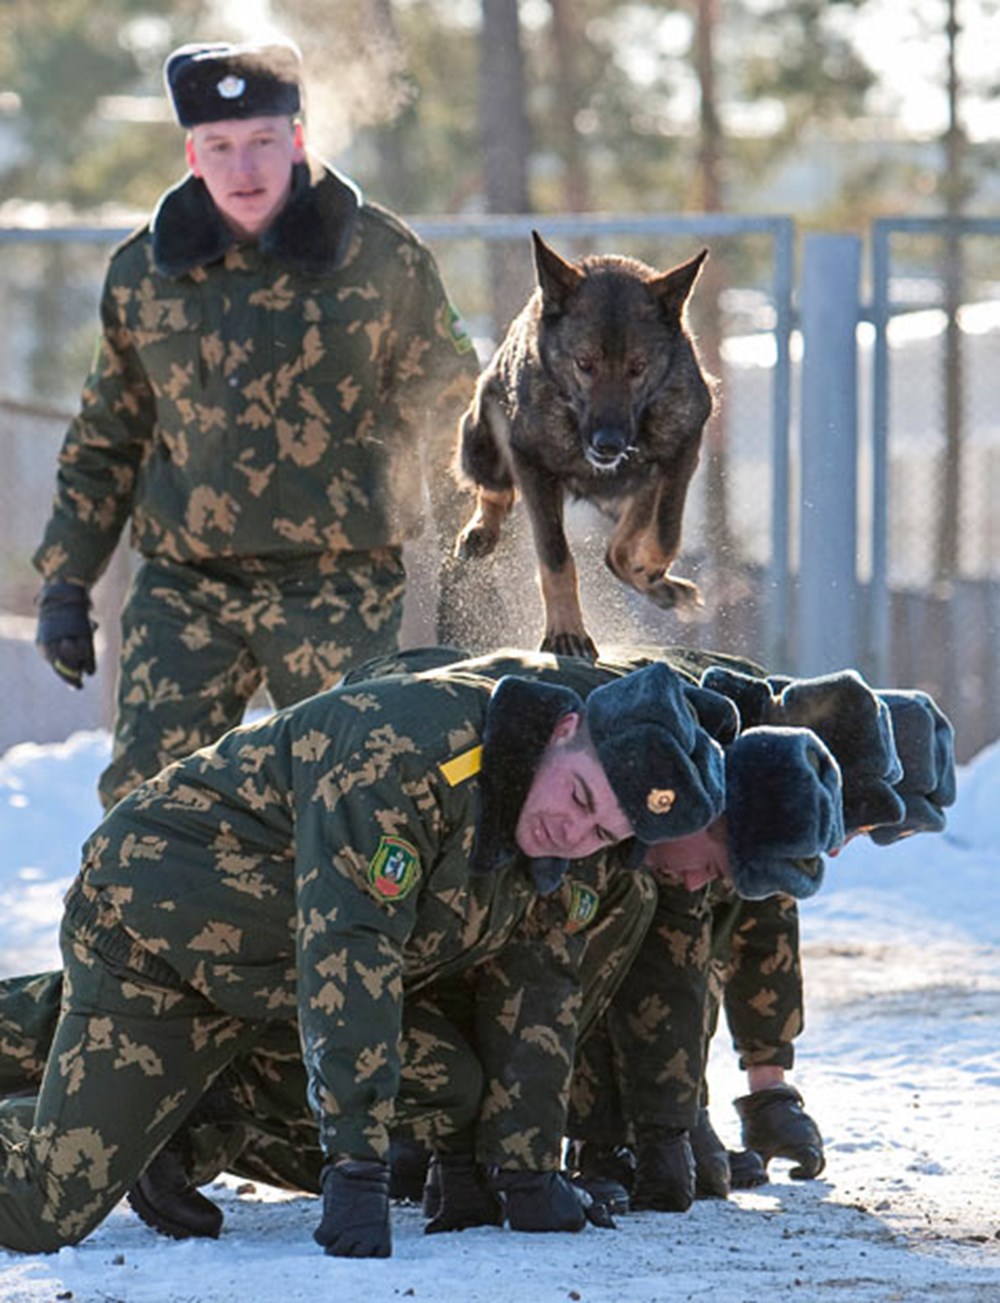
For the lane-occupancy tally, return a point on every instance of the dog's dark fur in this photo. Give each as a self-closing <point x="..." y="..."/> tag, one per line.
<point x="596" y="392"/>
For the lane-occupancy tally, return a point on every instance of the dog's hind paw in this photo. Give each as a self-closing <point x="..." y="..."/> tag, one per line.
<point x="670" y="594"/>
<point x="570" y="644"/>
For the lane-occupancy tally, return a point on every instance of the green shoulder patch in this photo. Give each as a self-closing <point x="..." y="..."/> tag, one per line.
<point x="394" y="868"/>
<point x="458" y="331"/>
<point x="584" y="903"/>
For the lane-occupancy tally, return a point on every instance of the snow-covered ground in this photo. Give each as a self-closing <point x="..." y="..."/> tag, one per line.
<point x="899" y="1063"/>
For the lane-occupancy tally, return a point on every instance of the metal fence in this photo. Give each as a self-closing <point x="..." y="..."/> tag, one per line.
<point x="935" y="464"/>
<point x="913" y="627"/>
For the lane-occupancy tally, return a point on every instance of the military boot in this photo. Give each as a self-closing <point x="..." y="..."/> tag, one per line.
<point x="606" y="1172"/>
<point x="208" y="1142"/>
<point x="665" y="1175"/>
<point x="712" y="1179"/>
<point x="408" y="1161"/>
<point x="165" y="1199"/>
<point x="457" y="1195"/>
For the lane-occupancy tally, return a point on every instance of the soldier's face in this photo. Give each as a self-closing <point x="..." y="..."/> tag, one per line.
<point x="692" y="861"/>
<point x="246" y="165"/>
<point x="570" y="810"/>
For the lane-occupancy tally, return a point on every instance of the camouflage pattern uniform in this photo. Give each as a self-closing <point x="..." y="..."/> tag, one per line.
<point x="305" y="867"/>
<point x="644" y="1064"/>
<point x="261" y="414"/>
<point x="758" y="976"/>
<point x="641" y="1065"/>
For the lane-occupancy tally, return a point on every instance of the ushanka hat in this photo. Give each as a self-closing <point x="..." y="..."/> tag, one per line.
<point x="666" y="771"/>
<point x="849" y="717"/>
<point x="784" y="811"/>
<point x="212" y="82"/>
<point x="925" y="740"/>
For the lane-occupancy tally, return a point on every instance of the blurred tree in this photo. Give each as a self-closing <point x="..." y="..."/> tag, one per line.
<point x="955" y="188"/>
<point x="566" y="105"/>
<point x="505" y="142"/>
<point x="65" y="61"/>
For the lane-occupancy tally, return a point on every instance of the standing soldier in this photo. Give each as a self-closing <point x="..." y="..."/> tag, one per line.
<point x="277" y="362"/>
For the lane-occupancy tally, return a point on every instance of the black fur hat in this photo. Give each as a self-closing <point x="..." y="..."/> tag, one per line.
<point x="847" y="715"/>
<point x="666" y="771"/>
<point x="784" y="810"/>
<point x="717" y="714"/>
<point x="925" y="740"/>
<point x="208" y="83"/>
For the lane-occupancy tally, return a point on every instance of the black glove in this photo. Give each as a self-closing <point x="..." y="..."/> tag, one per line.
<point x="458" y="1196"/>
<point x="665" y="1175"/>
<point x="355" y="1210"/>
<point x="65" y="631"/>
<point x="746" y="1169"/>
<point x="711" y="1162"/>
<point x="776" y="1124"/>
<point x="547" y="1201"/>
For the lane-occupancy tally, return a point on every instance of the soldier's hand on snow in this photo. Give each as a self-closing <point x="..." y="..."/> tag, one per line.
<point x="355" y="1210"/>
<point x="776" y="1124"/>
<point x="457" y="1195"/>
<point x="547" y="1201"/>
<point x="65" y="631"/>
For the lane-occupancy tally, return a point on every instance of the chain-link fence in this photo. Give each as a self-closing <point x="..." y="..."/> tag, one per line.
<point x="936" y="433"/>
<point x="931" y="377"/>
<point x="50" y="281"/>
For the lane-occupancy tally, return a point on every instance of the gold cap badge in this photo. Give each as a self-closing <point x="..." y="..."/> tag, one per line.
<point x="661" y="800"/>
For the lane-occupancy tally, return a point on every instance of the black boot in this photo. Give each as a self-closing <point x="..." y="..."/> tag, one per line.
<point x="606" y="1172"/>
<point x="164" y="1198"/>
<point x="457" y="1195"/>
<point x="665" y="1173"/>
<point x="710" y="1160"/>
<point x="408" y="1160"/>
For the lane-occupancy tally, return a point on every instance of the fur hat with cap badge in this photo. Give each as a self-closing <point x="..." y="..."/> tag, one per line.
<point x="217" y="81"/>
<point x="666" y="771"/>
<point x="784" y="811"/>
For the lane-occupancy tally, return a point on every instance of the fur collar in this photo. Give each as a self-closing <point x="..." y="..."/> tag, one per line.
<point x="310" y="234"/>
<point x="520" y="718"/>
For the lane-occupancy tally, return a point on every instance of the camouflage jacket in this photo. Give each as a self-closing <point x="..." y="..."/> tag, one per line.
<point x="274" y="399"/>
<point x="313" y="862"/>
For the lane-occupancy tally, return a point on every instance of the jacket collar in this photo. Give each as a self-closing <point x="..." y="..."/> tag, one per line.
<point x="312" y="232"/>
<point x="520" y="717"/>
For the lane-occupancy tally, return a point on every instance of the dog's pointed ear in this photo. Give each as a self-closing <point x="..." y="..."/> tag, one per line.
<point x="557" y="278"/>
<point x="675" y="285"/>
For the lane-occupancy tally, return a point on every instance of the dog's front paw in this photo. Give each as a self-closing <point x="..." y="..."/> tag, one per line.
<point x="570" y="644"/>
<point x="670" y="594"/>
<point x="476" y="540"/>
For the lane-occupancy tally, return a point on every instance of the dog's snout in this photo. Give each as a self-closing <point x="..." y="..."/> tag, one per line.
<point x="606" y="447"/>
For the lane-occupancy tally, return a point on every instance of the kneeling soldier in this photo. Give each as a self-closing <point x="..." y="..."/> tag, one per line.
<point x="387" y="831"/>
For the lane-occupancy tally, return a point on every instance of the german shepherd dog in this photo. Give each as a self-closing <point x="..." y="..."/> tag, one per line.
<point x="594" y="392"/>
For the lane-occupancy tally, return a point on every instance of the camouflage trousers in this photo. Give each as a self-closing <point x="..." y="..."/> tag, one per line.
<point x="103" y="1064"/>
<point x="256" y="1121"/>
<point x="757" y="977"/>
<point x="198" y="641"/>
<point x="643" y="1063"/>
